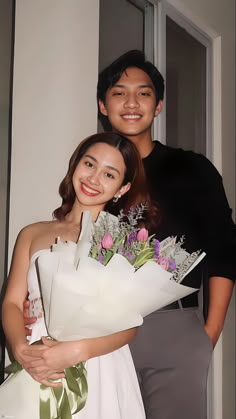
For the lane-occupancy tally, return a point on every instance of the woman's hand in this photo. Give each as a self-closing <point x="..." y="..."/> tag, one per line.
<point x="51" y="358"/>
<point x="42" y="375"/>
<point x="19" y="353"/>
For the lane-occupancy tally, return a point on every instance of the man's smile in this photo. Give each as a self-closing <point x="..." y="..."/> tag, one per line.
<point x="131" y="116"/>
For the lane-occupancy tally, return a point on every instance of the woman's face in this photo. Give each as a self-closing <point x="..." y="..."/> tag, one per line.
<point x="99" y="176"/>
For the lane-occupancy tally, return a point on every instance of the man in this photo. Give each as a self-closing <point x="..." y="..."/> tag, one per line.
<point x="173" y="348"/>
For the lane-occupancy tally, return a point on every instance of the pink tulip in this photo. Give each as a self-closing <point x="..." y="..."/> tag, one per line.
<point x="164" y="262"/>
<point x="142" y="235"/>
<point x="107" y="241"/>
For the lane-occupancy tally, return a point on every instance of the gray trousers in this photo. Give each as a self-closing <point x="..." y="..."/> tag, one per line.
<point x="171" y="354"/>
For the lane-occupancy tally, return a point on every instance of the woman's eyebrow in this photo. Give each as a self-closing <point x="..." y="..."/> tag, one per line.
<point x="108" y="166"/>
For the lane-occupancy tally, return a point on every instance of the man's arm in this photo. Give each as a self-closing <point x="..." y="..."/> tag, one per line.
<point x="220" y="291"/>
<point x="216" y="233"/>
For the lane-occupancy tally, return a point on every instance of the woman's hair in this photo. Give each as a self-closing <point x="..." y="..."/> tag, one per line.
<point x="134" y="173"/>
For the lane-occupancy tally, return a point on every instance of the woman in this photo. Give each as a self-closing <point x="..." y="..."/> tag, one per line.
<point x="105" y="172"/>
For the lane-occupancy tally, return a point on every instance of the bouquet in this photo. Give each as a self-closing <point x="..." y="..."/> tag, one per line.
<point x="114" y="277"/>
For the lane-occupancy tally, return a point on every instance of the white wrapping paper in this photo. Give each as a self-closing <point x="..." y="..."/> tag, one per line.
<point x="84" y="298"/>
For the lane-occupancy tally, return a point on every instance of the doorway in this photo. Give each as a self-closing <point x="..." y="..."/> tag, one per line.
<point x="185" y="89"/>
<point x="125" y="25"/>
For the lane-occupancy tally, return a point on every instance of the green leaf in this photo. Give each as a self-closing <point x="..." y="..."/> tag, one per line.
<point x="108" y="256"/>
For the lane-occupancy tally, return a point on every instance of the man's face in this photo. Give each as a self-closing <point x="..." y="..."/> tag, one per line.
<point x="130" y="104"/>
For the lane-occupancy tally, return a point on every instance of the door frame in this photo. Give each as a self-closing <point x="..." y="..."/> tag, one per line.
<point x="212" y="41"/>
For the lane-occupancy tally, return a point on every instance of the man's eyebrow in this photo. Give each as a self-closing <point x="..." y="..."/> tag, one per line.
<point x="109" y="167"/>
<point x="141" y="86"/>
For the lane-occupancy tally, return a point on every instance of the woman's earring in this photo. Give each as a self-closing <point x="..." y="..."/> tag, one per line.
<point x="115" y="199"/>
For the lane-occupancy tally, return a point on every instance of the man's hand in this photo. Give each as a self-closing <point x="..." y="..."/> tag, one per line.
<point x="27" y="319"/>
<point x="213" y="335"/>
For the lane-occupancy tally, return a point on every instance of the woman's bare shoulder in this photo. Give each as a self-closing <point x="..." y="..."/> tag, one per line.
<point x="38" y="227"/>
<point x="44" y="234"/>
<point x="37" y="233"/>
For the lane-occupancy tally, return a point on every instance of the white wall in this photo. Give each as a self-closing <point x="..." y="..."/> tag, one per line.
<point x="54" y="106"/>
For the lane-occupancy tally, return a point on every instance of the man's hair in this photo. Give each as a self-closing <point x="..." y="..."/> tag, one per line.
<point x="111" y="74"/>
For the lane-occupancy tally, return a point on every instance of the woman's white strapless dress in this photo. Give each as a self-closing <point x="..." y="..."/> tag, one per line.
<point x="113" y="389"/>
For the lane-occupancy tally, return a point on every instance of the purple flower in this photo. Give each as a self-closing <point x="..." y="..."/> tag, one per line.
<point x="107" y="241"/>
<point x="101" y="259"/>
<point x="142" y="235"/>
<point x="172" y="264"/>
<point x="129" y="256"/>
<point x="132" y="237"/>
<point x="156" y="248"/>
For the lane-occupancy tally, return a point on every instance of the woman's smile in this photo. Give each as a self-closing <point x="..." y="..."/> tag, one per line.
<point x="88" y="190"/>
